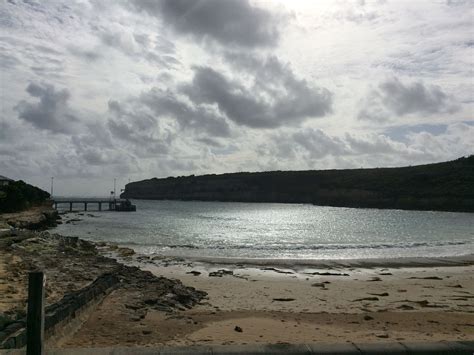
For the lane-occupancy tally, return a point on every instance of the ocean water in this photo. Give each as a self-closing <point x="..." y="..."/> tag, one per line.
<point x="276" y="231"/>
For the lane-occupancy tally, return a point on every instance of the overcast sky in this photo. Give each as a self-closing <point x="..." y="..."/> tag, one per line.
<point x="92" y="90"/>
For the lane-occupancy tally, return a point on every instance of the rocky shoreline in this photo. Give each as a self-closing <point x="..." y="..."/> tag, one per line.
<point x="39" y="217"/>
<point x="71" y="265"/>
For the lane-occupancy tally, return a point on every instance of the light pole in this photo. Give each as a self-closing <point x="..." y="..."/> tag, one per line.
<point x="52" y="182"/>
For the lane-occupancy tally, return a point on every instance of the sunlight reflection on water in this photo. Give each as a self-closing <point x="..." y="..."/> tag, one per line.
<point x="262" y="230"/>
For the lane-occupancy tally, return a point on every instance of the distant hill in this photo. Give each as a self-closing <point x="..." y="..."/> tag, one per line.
<point x="447" y="186"/>
<point x="18" y="196"/>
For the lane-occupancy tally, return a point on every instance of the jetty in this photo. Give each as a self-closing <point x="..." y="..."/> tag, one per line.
<point x="120" y="205"/>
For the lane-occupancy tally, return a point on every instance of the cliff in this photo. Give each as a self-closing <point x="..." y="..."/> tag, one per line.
<point x="447" y="186"/>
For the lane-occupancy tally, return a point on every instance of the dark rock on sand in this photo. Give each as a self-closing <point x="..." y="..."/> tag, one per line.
<point x="283" y="299"/>
<point x="375" y="278"/>
<point x="366" y="299"/>
<point x="327" y="273"/>
<point x="194" y="273"/>
<point x="277" y="270"/>
<point x="220" y="273"/>
<point x="124" y="252"/>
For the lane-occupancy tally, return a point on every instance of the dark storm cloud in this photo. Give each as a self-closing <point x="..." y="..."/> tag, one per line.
<point x="394" y="98"/>
<point x="165" y="103"/>
<point x="51" y="113"/>
<point x="229" y="22"/>
<point x="276" y="97"/>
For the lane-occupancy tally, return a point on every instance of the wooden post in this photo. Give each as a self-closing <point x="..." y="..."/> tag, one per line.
<point x="35" y="316"/>
<point x="100" y="206"/>
<point x="85" y="206"/>
<point x="70" y="206"/>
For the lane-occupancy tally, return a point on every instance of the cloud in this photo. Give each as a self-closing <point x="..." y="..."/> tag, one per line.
<point x="394" y="98"/>
<point x="229" y="22"/>
<point x="51" y="113"/>
<point x="138" y="128"/>
<point x="275" y="96"/>
<point x="165" y="103"/>
<point x="318" y="144"/>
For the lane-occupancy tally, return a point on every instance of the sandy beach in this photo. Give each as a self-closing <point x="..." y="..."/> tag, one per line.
<point x="249" y="304"/>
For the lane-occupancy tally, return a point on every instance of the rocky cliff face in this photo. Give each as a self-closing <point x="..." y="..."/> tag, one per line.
<point x="444" y="186"/>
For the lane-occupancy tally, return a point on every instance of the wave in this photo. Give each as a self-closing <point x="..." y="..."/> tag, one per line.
<point x="295" y="247"/>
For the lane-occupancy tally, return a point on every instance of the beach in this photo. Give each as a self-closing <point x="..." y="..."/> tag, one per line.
<point x="250" y="304"/>
<point x="177" y="301"/>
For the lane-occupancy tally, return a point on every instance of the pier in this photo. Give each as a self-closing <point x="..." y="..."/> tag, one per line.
<point x="112" y="204"/>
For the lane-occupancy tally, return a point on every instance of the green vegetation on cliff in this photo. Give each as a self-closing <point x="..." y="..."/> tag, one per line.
<point x="18" y="195"/>
<point x="447" y="186"/>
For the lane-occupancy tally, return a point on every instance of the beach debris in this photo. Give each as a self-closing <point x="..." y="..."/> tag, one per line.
<point x="385" y="273"/>
<point x="194" y="273"/>
<point x="220" y="273"/>
<point x="318" y="284"/>
<point x="374" y="278"/>
<point x="238" y="329"/>
<point x="366" y="299"/>
<point x="283" y="299"/>
<point x="384" y="294"/>
<point x="367" y="317"/>
<point x="425" y="278"/>
<point x="382" y="336"/>
<point x="326" y="273"/>
<point x="276" y="270"/>
<point x="455" y="286"/>
<point x="425" y="303"/>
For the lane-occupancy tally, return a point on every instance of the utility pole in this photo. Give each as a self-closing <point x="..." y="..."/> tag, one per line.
<point x="52" y="182"/>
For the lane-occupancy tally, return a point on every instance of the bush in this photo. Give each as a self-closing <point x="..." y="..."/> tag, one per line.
<point x="19" y="195"/>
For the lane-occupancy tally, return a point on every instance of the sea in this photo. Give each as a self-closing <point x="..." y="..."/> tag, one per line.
<point x="275" y="230"/>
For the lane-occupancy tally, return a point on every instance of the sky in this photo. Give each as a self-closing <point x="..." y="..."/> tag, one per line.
<point x="93" y="90"/>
